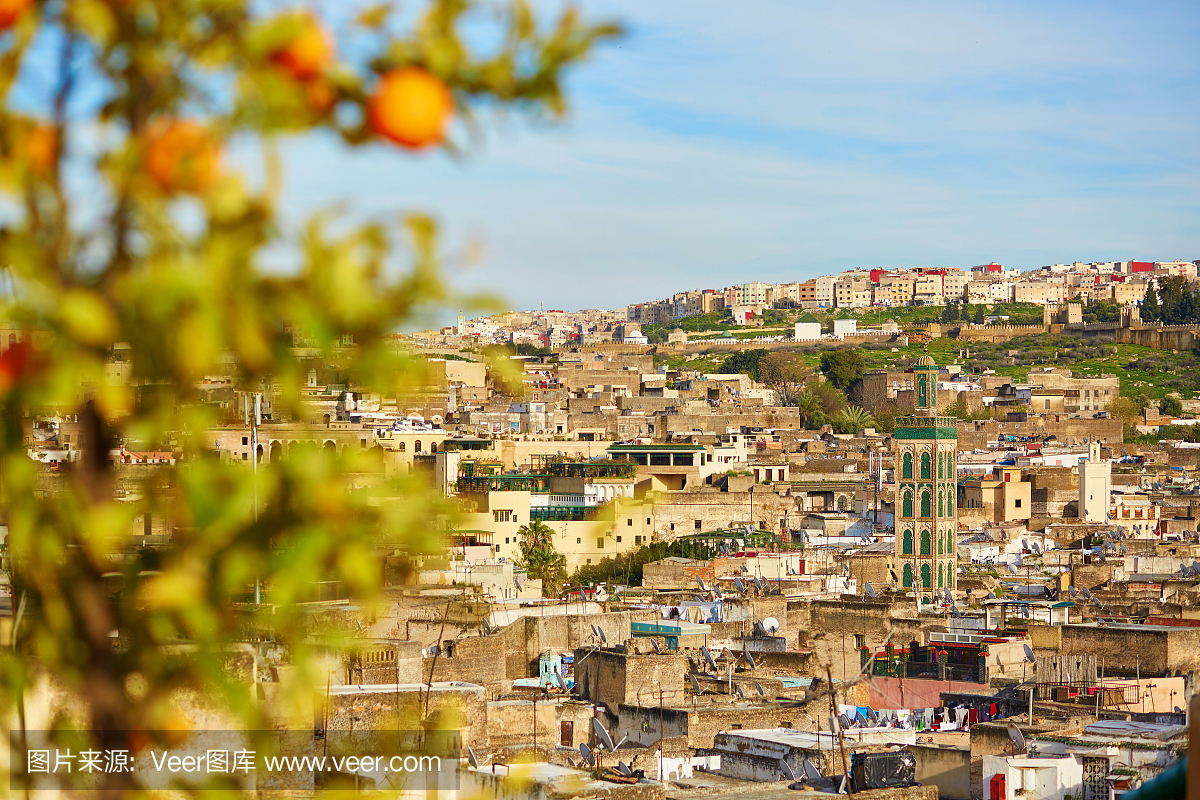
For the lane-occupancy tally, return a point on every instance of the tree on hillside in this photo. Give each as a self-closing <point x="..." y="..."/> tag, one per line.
<point x="1170" y="406"/>
<point x="743" y="362"/>
<point x="980" y="315"/>
<point x="539" y="558"/>
<point x="843" y="367"/>
<point x="1150" y="311"/>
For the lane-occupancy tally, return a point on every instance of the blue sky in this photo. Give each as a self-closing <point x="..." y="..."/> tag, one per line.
<point x="723" y="142"/>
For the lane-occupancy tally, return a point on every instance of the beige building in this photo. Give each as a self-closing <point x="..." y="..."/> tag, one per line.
<point x="1082" y="393"/>
<point x="1005" y="498"/>
<point x="852" y="291"/>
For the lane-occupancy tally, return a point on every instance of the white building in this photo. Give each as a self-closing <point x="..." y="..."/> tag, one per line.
<point x="843" y="327"/>
<point x="1095" y="485"/>
<point x="808" y="331"/>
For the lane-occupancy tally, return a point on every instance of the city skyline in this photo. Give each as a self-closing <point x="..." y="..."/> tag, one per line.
<point x="718" y="146"/>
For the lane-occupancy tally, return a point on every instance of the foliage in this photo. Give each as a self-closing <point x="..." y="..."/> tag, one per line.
<point x="1178" y="301"/>
<point x="781" y="368"/>
<point x="1150" y="312"/>
<point x="843" y="367"/>
<point x="196" y="273"/>
<point x="852" y="419"/>
<point x="743" y="362"/>
<point x="1102" y="311"/>
<point x="1170" y="406"/>
<point x="539" y="558"/>
<point x="624" y="567"/>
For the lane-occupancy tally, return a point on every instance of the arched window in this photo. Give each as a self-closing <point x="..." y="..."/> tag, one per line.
<point x="908" y="575"/>
<point x="433" y="447"/>
<point x="417" y="446"/>
<point x="941" y="502"/>
<point x="940" y="544"/>
<point x="925" y="466"/>
<point x="950" y="542"/>
<point x="908" y="505"/>
<point x="924" y="543"/>
<point x="941" y="466"/>
<point x="907" y="543"/>
<point x="941" y="582"/>
<point x="400" y="447"/>
<point x="925" y="576"/>
<point x="949" y="502"/>
<point x="921" y="394"/>
<point x="908" y="466"/>
<point x="926" y="504"/>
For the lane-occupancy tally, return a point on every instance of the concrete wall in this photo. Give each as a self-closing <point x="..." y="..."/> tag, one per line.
<point x="947" y="768"/>
<point x="917" y="693"/>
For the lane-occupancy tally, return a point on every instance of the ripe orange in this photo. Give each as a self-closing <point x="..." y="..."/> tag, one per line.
<point x="308" y="54"/>
<point x="181" y="156"/>
<point x="410" y="106"/>
<point x="11" y="9"/>
<point x="40" y="145"/>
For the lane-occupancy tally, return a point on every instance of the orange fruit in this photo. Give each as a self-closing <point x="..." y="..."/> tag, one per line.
<point x="41" y="145"/>
<point x="410" y="106"/>
<point x="308" y="54"/>
<point x="11" y="9"/>
<point x="14" y="366"/>
<point x="181" y="156"/>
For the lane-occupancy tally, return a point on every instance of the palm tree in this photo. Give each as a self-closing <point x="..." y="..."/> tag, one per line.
<point x="539" y="559"/>
<point x="854" y="418"/>
<point x="807" y="406"/>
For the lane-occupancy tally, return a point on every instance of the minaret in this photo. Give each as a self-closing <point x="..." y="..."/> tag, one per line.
<point x="1095" y="485"/>
<point x="926" y="451"/>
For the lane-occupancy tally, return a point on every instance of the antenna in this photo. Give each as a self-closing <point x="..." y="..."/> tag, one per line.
<point x="750" y="659"/>
<point x="740" y="693"/>
<point x="787" y="769"/>
<point x="586" y="753"/>
<point x="811" y="773"/>
<point x="657" y="647"/>
<point x="708" y="657"/>
<point x="471" y="757"/>
<point x="603" y="638"/>
<point x="761" y="691"/>
<point x="871" y="591"/>
<point x="1029" y="655"/>
<point x="624" y="769"/>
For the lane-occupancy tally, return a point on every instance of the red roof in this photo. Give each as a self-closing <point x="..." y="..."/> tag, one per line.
<point x="1141" y="266"/>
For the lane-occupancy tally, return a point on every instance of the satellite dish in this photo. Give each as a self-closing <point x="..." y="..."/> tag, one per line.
<point x="562" y="684"/>
<point x="595" y="633"/>
<point x="695" y="684"/>
<point x="750" y="659"/>
<point x="770" y="624"/>
<point x="700" y="581"/>
<point x="811" y="773"/>
<point x="708" y="657"/>
<point x="740" y="693"/>
<point x="871" y="715"/>
<point x="624" y="769"/>
<point x="843" y="722"/>
<point x="657" y="646"/>
<point x="603" y="638"/>
<point x="787" y="769"/>
<point x="487" y="628"/>
<point x="586" y="753"/>
<point x="602" y="735"/>
<point x="572" y="763"/>
<point x="1071" y="589"/>
<point x="1018" y="738"/>
<point x="843" y="787"/>
<point x="471" y="757"/>
<point x="738" y="583"/>
<point x="761" y="691"/>
<point x="870" y="591"/>
<point x="1029" y="655"/>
